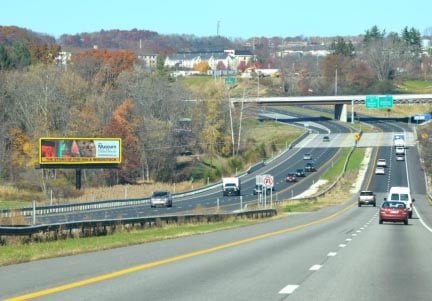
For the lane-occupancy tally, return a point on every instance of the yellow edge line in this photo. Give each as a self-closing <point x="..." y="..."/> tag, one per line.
<point x="171" y="259"/>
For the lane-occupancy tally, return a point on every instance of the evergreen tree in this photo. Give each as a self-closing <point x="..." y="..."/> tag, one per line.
<point x="343" y="48"/>
<point x="5" y="62"/>
<point x="20" y="56"/>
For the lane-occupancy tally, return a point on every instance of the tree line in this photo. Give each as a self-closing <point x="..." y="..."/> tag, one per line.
<point x="108" y="93"/>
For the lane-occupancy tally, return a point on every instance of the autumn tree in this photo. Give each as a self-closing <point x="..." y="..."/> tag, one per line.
<point x="202" y="67"/>
<point x="22" y="152"/>
<point x="388" y="54"/>
<point x="242" y="66"/>
<point x="122" y="125"/>
<point x="214" y="126"/>
<point x="220" y="66"/>
<point x="43" y="53"/>
<point x="161" y="105"/>
<point x="103" y="66"/>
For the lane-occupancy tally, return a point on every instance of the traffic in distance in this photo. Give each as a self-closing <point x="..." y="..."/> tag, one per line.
<point x="292" y="255"/>
<point x="398" y="203"/>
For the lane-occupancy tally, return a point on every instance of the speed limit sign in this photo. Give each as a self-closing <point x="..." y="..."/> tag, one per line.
<point x="268" y="181"/>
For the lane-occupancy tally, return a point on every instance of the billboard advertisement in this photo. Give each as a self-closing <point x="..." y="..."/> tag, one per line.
<point x="79" y="151"/>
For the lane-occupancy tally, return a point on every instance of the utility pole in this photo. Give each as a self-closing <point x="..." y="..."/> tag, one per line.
<point x="336" y="81"/>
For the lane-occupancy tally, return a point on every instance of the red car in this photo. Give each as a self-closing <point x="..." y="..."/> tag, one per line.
<point x="291" y="177"/>
<point x="391" y="211"/>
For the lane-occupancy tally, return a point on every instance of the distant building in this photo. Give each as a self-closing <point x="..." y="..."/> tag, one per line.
<point x="149" y="60"/>
<point x="63" y="58"/>
<point x="227" y="60"/>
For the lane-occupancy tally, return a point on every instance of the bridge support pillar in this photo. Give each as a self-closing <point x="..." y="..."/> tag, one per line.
<point x="340" y="112"/>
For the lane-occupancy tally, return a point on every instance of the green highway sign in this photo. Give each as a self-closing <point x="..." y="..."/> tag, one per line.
<point x="379" y="102"/>
<point x="371" y="102"/>
<point x="385" y="101"/>
<point x="230" y="80"/>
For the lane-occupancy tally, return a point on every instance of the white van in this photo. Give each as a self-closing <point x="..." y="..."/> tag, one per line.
<point x="402" y="194"/>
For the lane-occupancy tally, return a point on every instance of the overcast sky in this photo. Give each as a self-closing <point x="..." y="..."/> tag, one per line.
<point x="232" y="19"/>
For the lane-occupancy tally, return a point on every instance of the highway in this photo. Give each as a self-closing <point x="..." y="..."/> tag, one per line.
<point x="337" y="253"/>
<point x="279" y="166"/>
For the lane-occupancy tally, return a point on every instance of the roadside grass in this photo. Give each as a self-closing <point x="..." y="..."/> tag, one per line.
<point x="263" y="140"/>
<point x="12" y="197"/>
<point x="340" y="193"/>
<point x="336" y="168"/>
<point x="18" y="251"/>
<point x="416" y="86"/>
<point x="364" y="127"/>
<point x="306" y="111"/>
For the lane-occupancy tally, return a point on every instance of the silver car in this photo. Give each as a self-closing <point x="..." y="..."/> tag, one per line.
<point x="161" y="198"/>
<point x="307" y="156"/>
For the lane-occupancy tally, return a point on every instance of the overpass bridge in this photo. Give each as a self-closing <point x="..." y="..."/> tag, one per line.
<point x="340" y="102"/>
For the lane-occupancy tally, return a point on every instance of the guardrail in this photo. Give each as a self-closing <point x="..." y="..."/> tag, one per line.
<point x="106" y="204"/>
<point x="100" y="226"/>
<point x="67" y="208"/>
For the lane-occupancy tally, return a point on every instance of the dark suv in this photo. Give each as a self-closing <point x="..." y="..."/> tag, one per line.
<point x="310" y="166"/>
<point x="300" y="172"/>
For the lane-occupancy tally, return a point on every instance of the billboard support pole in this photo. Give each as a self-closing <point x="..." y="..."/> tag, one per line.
<point x="78" y="178"/>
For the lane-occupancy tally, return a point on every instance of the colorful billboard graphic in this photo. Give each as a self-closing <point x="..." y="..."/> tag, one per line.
<point x="79" y="151"/>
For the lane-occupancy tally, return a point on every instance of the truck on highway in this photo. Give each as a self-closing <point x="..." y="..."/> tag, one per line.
<point x="366" y="197"/>
<point x="400" y="150"/>
<point x="399" y="140"/>
<point x="231" y="186"/>
<point x="263" y="182"/>
<point x="401" y="194"/>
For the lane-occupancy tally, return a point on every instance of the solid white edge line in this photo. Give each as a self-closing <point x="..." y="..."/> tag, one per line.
<point x="289" y="289"/>
<point x="421" y="220"/>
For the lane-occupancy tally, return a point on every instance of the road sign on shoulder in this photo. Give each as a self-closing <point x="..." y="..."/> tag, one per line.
<point x="268" y="181"/>
<point x="356" y="136"/>
<point x="231" y="80"/>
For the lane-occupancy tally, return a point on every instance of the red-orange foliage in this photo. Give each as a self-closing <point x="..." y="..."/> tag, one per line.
<point x="242" y="66"/>
<point x="116" y="60"/>
<point x="122" y="126"/>
<point x="43" y="53"/>
<point x="106" y="65"/>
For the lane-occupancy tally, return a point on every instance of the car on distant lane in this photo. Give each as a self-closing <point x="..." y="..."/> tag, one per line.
<point x="400" y="157"/>
<point x="310" y="166"/>
<point x="326" y="139"/>
<point x="401" y="194"/>
<point x="291" y="177"/>
<point x="379" y="170"/>
<point x="382" y="162"/>
<point x="366" y="197"/>
<point x="300" y="172"/>
<point x="392" y="211"/>
<point x="161" y="198"/>
<point x="307" y="156"/>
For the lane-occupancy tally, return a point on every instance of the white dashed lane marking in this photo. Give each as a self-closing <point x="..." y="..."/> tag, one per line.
<point x="289" y="289"/>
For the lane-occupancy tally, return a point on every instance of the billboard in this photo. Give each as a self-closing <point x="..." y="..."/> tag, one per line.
<point x="79" y="151"/>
